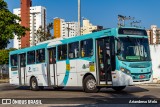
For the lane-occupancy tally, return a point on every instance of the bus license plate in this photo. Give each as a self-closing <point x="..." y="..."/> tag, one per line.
<point x="141" y="76"/>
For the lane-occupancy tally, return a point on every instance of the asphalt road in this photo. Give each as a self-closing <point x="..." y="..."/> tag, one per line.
<point x="76" y="97"/>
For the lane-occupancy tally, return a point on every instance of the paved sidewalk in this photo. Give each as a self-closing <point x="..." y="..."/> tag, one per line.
<point x="150" y="84"/>
<point x="4" y="81"/>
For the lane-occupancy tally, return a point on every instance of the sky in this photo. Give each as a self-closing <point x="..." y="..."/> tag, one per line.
<point x="100" y="12"/>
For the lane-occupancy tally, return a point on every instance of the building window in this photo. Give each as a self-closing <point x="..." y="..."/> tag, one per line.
<point x="73" y="50"/>
<point x="87" y="48"/>
<point x="62" y="52"/>
<point x="31" y="57"/>
<point x="40" y="55"/>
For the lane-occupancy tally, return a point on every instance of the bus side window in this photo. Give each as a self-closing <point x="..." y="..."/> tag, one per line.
<point x="87" y="48"/>
<point x="14" y="62"/>
<point x="73" y="51"/>
<point x="23" y="60"/>
<point x="62" y="52"/>
<point x="52" y="58"/>
<point x="31" y="57"/>
<point x="40" y="56"/>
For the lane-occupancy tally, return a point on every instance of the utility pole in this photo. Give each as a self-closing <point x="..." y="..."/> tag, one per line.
<point x="79" y="17"/>
<point x="68" y="28"/>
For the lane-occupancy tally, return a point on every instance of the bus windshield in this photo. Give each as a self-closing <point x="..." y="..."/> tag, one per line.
<point x="134" y="49"/>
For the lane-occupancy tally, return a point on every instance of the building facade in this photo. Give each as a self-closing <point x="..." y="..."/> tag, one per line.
<point x="24" y="14"/>
<point x="64" y="29"/>
<point x="87" y="27"/>
<point x="154" y="35"/>
<point x="37" y="18"/>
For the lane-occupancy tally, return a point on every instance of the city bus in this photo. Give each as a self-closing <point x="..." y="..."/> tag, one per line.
<point x="111" y="58"/>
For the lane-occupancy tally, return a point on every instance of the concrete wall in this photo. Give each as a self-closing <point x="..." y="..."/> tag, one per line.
<point x="155" y="56"/>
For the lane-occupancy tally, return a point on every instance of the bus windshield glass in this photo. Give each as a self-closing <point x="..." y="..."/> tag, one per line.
<point x="134" y="49"/>
<point x="130" y="31"/>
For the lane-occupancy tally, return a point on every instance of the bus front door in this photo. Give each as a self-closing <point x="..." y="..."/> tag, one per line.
<point x="22" y="69"/>
<point x="104" y="61"/>
<point x="52" y="67"/>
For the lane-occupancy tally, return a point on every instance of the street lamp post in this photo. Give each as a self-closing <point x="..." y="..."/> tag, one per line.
<point x="79" y="17"/>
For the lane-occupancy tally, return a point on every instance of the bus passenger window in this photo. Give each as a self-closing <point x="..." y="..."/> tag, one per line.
<point x="13" y="60"/>
<point x="52" y="56"/>
<point x="23" y="60"/>
<point x="73" y="51"/>
<point x="40" y="56"/>
<point x="31" y="57"/>
<point x="87" y="48"/>
<point x="62" y="52"/>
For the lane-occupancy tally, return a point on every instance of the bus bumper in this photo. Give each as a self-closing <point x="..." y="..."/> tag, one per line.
<point x="145" y="81"/>
<point x="121" y="79"/>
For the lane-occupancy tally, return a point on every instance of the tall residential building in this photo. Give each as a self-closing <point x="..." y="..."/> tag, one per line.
<point x="154" y="35"/>
<point x="64" y="29"/>
<point x="37" y="19"/>
<point x="87" y="27"/>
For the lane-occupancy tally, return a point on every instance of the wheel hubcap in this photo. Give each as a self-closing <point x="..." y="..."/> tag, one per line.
<point x="33" y="84"/>
<point x="91" y="84"/>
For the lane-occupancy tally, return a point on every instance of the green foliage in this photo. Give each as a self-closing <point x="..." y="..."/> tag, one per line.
<point x="43" y="34"/>
<point x="9" y="25"/>
<point x="4" y="55"/>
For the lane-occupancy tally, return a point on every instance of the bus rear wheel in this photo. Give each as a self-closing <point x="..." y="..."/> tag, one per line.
<point x="118" y="88"/>
<point x="34" y="84"/>
<point x="89" y="85"/>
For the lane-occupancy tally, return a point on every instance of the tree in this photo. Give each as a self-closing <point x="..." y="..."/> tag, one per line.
<point x="9" y="26"/>
<point x="49" y="28"/>
<point x="4" y="55"/>
<point x="40" y="34"/>
<point x="44" y="34"/>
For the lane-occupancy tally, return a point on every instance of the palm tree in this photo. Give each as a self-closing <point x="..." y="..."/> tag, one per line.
<point x="49" y="28"/>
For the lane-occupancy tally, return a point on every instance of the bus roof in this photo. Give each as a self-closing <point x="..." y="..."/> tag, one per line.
<point x="29" y="49"/>
<point x="54" y="42"/>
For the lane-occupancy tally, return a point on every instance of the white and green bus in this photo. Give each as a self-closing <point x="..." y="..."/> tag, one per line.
<point x="112" y="58"/>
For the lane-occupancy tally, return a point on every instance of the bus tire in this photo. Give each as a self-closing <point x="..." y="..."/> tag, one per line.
<point x="89" y="85"/>
<point x="34" y="84"/>
<point x="118" y="88"/>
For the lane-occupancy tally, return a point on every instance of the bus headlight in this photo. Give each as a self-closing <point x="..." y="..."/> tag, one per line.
<point x="126" y="71"/>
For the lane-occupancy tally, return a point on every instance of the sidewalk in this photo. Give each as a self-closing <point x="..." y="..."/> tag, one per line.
<point x="4" y="81"/>
<point x="150" y="84"/>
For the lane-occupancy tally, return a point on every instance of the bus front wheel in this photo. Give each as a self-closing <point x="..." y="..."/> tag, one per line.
<point x="34" y="84"/>
<point x="118" y="88"/>
<point x="89" y="84"/>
